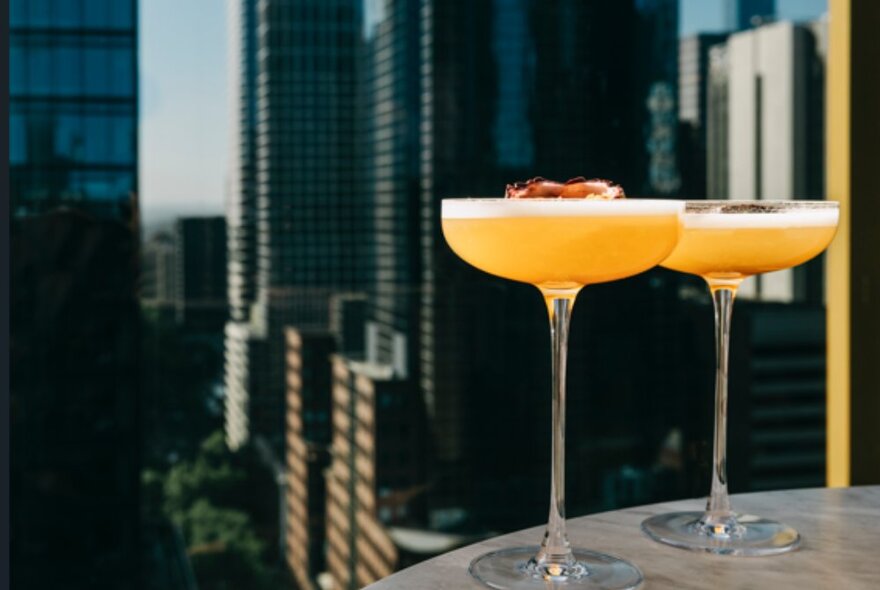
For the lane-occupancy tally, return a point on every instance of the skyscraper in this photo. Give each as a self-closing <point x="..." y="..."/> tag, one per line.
<point x="158" y="284"/>
<point x="389" y="102"/>
<point x="693" y="86"/>
<point x="200" y="251"/>
<point x="73" y="109"/>
<point x="241" y="198"/>
<point x="510" y="89"/>
<point x="717" y="124"/>
<point x="656" y="74"/>
<point x="295" y="203"/>
<point x="75" y="395"/>
<point x="745" y="14"/>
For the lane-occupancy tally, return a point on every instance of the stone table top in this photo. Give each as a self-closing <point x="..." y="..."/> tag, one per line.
<point x="840" y="547"/>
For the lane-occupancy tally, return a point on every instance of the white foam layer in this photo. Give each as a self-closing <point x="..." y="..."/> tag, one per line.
<point x="823" y="217"/>
<point x="485" y="208"/>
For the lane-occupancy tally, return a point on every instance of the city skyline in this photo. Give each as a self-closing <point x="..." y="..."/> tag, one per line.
<point x="296" y="370"/>
<point x="185" y="100"/>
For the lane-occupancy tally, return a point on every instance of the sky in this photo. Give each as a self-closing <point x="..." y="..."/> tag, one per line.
<point x="184" y="134"/>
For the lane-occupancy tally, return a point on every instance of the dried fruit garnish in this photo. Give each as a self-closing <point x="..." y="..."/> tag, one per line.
<point x="575" y="188"/>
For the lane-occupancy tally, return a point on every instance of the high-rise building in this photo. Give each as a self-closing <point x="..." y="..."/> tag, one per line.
<point x="389" y="103"/>
<point x="656" y="88"/>
<point x="693" y="87"/>
<point x="745" y="14"/>
<point x="298" y="217"/>
<point x="75" y="394"/>
<point x="717" y="124"/>
<point x="200" y="260"/>
<point x="777" y="364"/>
<point x="376" y="474"/>
<point x="774" y="103"/>
<point x="241" y="198"/>
<point x="307" y="444"/>
<point x="549" y="91"/>
<point x="159" y="271"/>
<point x="73" y="108"/>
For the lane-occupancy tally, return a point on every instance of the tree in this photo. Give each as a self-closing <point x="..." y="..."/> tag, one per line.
<point x="224" y="550"/>
<point x="221" y="500"/>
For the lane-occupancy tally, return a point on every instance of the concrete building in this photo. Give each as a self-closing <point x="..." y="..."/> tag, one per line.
<point x="158" y="271"/>
<point x="693" y="97"/>
<point x="376" y="477"/>
<point x="307" y="442"/>
<point x="770" y="83"/>
<point x="717" y="125"/>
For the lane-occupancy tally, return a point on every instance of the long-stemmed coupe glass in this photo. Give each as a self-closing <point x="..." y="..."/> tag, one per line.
<point x="726" y="242"/>
<point x="559" y="246"/>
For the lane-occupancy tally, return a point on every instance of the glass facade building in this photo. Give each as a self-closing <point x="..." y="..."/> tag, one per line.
<point x="298" y="217"/>
<point x="483" y="349"/>
<point x="389" y="103"/>
<point x="75" y="320"/>
<point x="73" y="105"/>
<point x="745" y="14"/>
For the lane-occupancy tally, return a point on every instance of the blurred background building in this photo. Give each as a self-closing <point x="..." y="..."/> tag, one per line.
<point x="75" y="327"/>
<point x="693" y="112"/>
<point x="299" y="218"/>
<point x="745" y="14"/>
<point x="200" y="255"/>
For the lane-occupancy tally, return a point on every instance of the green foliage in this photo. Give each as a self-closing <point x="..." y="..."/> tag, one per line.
<point x="213" y="499"/>
<point x="211" y="476"/>
<point x="224" y="550"/>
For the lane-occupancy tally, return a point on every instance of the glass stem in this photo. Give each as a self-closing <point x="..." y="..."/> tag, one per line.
<point x="555" y="553"/>
<point x="718" y="506"/>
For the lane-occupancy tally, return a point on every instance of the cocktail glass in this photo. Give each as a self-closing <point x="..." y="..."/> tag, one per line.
<point x="559" y="246"/>
<point x="726" y="242"/>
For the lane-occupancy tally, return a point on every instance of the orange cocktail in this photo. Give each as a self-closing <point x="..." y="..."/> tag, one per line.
<point x="737" y="245"/>
<point x="561" y="244"/>
<point x="725" y="242"/>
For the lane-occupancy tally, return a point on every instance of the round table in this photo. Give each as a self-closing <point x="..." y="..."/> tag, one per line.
<point x="840" y="547"/>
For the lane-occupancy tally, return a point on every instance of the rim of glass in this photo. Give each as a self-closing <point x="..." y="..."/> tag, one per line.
<point x="757" y="207"/>
<point x="467" y="207"/>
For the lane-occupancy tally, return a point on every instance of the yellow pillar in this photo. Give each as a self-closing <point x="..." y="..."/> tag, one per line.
<point x="853" y="178"/>
<point x="837" y="187"/>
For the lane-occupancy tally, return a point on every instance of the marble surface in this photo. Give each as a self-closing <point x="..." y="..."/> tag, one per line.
<point x="840" y="548"/>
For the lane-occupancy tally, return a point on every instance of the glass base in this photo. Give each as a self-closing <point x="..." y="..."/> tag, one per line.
<point x="514" y="569"/>
<point x="737" y="534"/>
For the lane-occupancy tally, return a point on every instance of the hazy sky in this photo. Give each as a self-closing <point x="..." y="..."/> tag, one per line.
<point x="184" y="130"/>
<point x="185" y="107"/>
